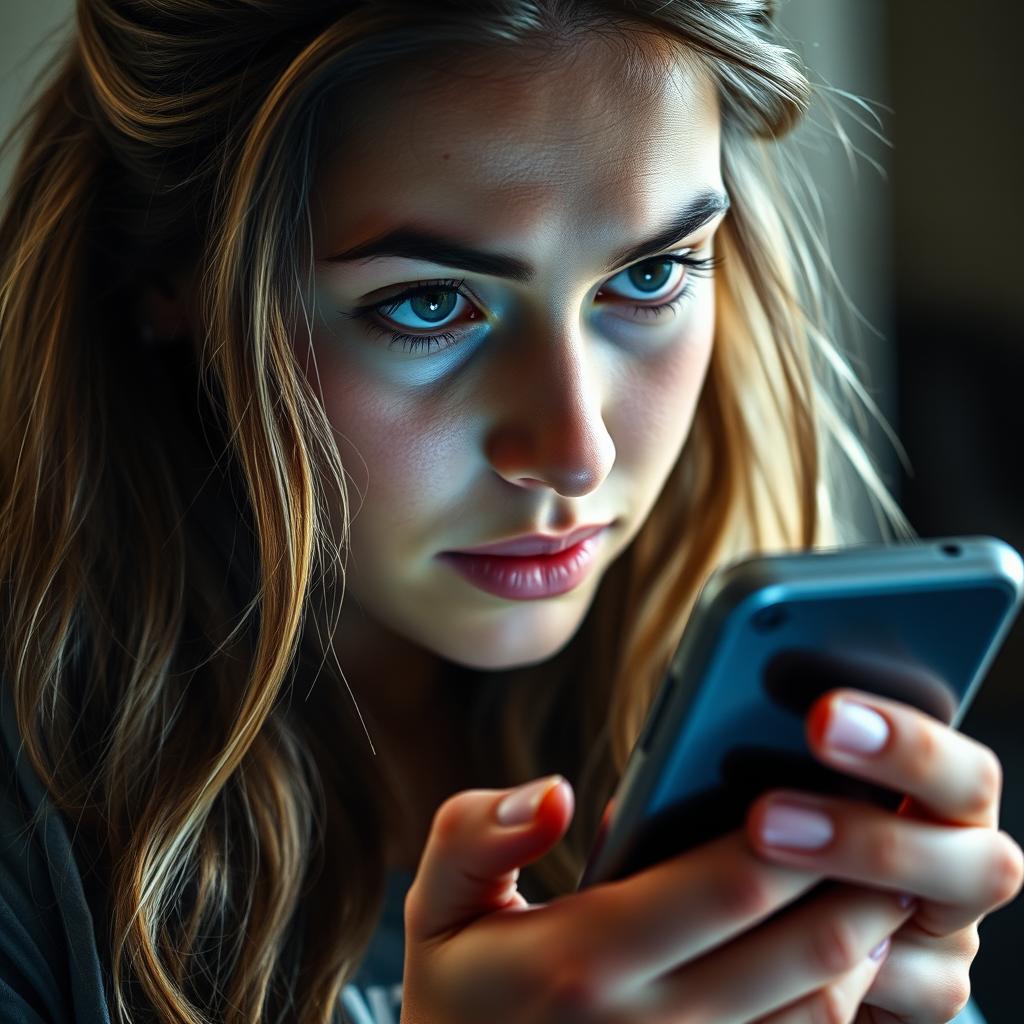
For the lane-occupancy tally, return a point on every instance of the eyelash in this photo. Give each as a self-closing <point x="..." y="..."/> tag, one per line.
<point x="698" y="268"/>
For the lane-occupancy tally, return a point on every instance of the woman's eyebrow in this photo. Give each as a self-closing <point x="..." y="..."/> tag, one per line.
<point x="410" y="242"/>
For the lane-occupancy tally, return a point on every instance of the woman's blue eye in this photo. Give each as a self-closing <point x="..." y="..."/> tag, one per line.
<point x="650" y="276"/>
<point x="432" y="306"/>
<point x="435" y="301"/>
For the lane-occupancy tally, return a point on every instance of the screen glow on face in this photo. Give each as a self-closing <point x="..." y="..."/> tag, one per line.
<point x="514" y="320"/>
<point x="654" y="284"/>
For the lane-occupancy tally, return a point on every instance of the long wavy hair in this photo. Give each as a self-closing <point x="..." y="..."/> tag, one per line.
<point x="168" y="573"/>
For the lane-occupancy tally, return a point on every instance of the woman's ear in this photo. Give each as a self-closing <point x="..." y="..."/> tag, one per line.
<point x="162" y="311"/>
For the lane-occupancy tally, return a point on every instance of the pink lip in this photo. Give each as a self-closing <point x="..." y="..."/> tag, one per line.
<point x="535" y="544"/>
<point x="527" y="577"/>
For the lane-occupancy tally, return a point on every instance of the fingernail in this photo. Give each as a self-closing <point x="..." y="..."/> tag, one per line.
<point x="798" y="827"/>
<point x="856" y="729"/>
<point x="881" y="949"/>
<point x="521" y="804"/>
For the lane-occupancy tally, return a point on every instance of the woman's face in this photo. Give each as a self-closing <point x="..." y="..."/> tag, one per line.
<point x="552" y="401"/>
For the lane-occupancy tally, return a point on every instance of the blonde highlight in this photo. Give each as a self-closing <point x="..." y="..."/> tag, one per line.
<point x="169" y="568"/>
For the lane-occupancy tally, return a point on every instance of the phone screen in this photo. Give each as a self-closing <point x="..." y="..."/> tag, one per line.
<point x="729" y="721"/>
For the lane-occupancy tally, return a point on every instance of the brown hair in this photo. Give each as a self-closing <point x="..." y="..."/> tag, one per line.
<point x="167" y="568"/>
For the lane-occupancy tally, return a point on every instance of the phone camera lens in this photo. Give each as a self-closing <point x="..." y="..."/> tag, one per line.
<point x="769" y="618"/>
<point x="951" y="549"/>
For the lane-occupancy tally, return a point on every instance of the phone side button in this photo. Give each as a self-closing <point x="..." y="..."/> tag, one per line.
<point x="654" y="717"/>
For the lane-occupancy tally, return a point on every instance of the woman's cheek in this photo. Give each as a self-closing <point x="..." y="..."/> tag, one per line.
<point x="388" y="440"/>
<point x="654" y="415"/>
<point x="406" y="461"/>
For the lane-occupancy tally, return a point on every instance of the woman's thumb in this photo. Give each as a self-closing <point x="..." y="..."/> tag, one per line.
<point x="478" y="840"/>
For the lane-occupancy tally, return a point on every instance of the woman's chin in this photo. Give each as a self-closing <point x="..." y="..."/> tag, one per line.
<point x="511" y="644"/>
<point x="486" y="662"/>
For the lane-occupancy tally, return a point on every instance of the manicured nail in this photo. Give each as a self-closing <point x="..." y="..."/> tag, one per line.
<point x="521" y="804"/>
<point x="795" y="826"/>
<point x="856" y="729"/>
<point x="881" y="949"/>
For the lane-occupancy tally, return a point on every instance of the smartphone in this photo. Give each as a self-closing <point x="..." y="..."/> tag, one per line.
<point x="918" y="621"/>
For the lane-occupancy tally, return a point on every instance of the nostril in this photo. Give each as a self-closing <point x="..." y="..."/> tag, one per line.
<point x="524" y="482"/>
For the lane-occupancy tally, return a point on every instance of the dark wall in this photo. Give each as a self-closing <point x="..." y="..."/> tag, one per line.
<point x="958" y="228"/>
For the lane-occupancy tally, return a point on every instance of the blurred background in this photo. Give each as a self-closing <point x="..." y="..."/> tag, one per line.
<point x="923" y="225"/>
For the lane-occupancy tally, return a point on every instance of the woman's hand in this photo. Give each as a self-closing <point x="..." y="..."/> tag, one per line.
<point x="687" y="939"/>
<point x="943" y="846"/>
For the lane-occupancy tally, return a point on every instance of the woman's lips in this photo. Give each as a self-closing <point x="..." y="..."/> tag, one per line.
<point x="526" y="577"/>
<point x="535" y="544"/>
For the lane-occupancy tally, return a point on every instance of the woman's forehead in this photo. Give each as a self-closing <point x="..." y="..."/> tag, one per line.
<point x="518" y="148"/>
<point x="588" y="69"/>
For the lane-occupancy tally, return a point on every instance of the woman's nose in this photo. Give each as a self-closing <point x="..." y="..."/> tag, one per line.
<point x="547" y="427"/>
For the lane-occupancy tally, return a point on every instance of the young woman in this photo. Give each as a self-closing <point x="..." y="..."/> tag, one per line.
<point x="301" y="302"/>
